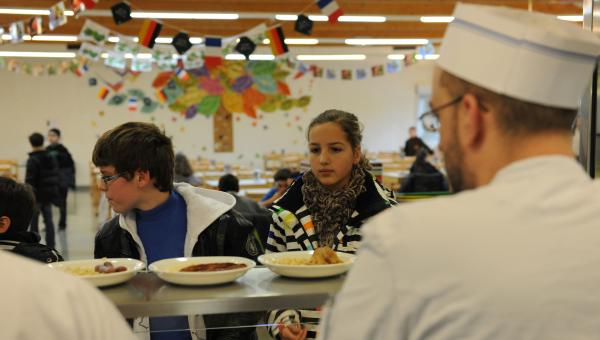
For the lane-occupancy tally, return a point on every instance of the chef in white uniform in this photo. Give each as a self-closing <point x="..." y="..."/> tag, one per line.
<point x="37" y="302"/>
<point x="515" y="254"/>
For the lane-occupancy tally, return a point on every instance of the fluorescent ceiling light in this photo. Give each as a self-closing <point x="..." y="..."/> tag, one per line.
<point x="396" y="56"/>
<point x="318" y="18"/>
<point x="427" y="57"/>
<point x="286" y="17"/>
<point x="296" y="41"/>
<point x="361" y="18"/>
<point x="437" y="19"/>
<point x="24" y="11"/>
<point x="163" y="40"/>
<point x="294" y="17"/>
<point x="23" y="54"/>
<point x="196" y="40"/>
<point x="235" y="56"/>
<point x="184" y="15"/>
<point x="386" y="41"/>
<point x="574" y="18"/>
<point x="113" y="39"/>
<point x="331" y="57"/>
<point x="55" y="38"/>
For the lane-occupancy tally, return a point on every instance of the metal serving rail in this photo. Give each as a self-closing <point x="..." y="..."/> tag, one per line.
<point x="258" y="290"/>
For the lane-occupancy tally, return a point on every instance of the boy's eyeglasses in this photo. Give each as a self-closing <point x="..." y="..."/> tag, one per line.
<point x="108" y="179"/>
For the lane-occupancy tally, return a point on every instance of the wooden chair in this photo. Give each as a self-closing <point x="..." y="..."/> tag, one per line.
<point x="9" y="168"/>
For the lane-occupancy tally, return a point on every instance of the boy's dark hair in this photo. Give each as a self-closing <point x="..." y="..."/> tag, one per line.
<point x="137" y="146"/>
<point x="55" y="131"/>
<point x="229" y="182"/>
<point x="36" y="139"/>
<point x="16" y="202"/>
<point x="283" y="174"/>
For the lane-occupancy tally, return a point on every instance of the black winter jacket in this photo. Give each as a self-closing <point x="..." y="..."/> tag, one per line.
<point x="66" y="166"/>
<point x="42" y="174"/>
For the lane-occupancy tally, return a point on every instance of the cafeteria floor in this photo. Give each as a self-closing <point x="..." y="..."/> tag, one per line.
<point x="77" y="242"/>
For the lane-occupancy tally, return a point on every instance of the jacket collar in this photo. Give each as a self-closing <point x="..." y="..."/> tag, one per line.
<point x="368" y="203"/>
<point x="203" y="208"/>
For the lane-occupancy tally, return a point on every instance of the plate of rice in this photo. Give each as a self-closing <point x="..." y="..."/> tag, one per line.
<point x="101" y="272"/>
<point x="322" y="262"/>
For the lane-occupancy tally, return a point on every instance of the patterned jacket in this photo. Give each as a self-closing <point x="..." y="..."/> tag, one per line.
<point x="292" y="230"/>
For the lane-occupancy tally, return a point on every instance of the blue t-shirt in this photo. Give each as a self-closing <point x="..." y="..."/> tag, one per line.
<point x="269" y="194"/>
<point x="162" y="231"/>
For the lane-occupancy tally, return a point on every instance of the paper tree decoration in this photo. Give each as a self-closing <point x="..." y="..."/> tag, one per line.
<point x="234" y="87"/>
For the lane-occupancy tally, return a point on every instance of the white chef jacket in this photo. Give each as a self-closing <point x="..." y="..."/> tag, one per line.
<point x="37" y="302"/>
<point x="516" y="259"/>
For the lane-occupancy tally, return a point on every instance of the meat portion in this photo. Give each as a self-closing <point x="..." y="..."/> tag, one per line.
<point x="324" y="255"/>
<point x="212" y="267"/>
<point x="107" y="268"/>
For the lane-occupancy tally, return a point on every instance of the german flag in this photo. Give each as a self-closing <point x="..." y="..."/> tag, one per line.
<point x="150" y="30"/>
<point x="162" y="97"/>
<point x="103" y="93"/>
<point x="277" y="40"/>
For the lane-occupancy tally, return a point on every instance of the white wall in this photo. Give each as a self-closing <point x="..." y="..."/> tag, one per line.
<point x="386" y="105"/>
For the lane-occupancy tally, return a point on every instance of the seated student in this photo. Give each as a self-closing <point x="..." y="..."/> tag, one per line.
<point x="157" y="219"/>
<point x="16" y="209"/>
<point x="424" y="177"/>
<point x="230" y="184"/>
<point x="184" y="172"/>
<point x="414" y="144"/>
<point x="326" y="206"/>
<point x="250" y="209"/>
<point x="283" y="179"/>
<point x="42" y="303"/>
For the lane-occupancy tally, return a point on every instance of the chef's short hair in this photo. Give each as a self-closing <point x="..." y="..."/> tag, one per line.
<point x="515" y="117"/>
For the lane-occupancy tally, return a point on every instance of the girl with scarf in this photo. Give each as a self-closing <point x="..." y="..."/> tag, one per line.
<point x="325" y="207"/>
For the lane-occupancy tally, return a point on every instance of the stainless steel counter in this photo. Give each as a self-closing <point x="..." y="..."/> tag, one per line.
<point x="258" y="290"/>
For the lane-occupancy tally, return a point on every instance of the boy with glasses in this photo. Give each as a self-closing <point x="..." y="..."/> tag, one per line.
<point x="158" y="219"/>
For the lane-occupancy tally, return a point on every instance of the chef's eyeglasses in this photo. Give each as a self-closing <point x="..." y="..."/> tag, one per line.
<point x="431" y="118"/>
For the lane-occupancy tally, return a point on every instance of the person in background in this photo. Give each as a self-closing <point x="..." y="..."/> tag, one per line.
<point x="230" y="184"/>
<point x="513" y="254"/>
<point x="16" y="209"/>
<point x="157" y="219"/>
<point x="423" y="176"/>
<point x="62" y="306"/>
<point x="250" y="209"/>
<point x="326" y="206"/>
<point x="414" y="144"/>
<point x="184" y="172"/>
<point x="283" y="179"/>
<point x="66" y="170"/>
<point x="42" y="175"/>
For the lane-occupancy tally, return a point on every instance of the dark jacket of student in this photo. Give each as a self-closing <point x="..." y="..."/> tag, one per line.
<point x="42" y="174"/>
<point x="66" y="165"/>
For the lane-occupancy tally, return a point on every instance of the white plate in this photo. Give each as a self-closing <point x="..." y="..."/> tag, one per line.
<point x="305" y="271"/>
<point x="168" y="270"/>
<point x="101" y="280"/>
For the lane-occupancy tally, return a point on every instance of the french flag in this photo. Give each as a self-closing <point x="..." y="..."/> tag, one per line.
<point x="331" y="9"/>
<point x="132" y="104"/>
<point x="213" y="55"/>
<point x="182" y="74"/>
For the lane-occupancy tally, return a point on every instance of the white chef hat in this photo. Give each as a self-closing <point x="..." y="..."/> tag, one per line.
<point x="529" y="56"/>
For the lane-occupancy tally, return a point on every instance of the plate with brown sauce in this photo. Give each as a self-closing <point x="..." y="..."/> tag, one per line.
<point x="204" y="270"/>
